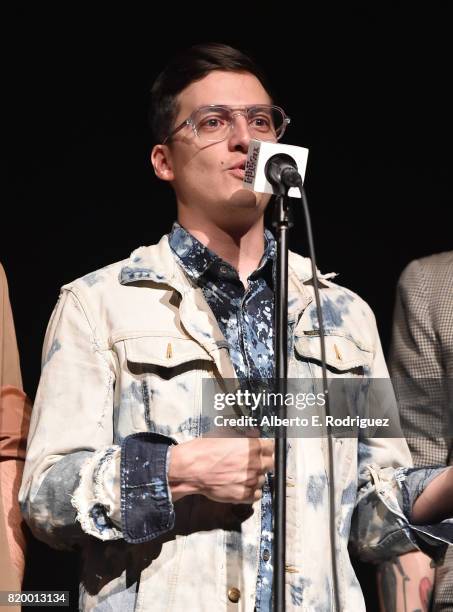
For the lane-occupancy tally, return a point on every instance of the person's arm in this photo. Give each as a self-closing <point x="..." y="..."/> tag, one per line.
<point x="14" y="419"/>
<point x="416" y="367"/>
<point x="416" y="364"/>
<point x="435" y="502"/>
<point x="383" y="523"/>
<point x="405" y="583"/>
<point x="9" y="354"/>
<point x="76" y="478"/>
<point x="70" y="481"/>
<point x="14" y="422"/>
<point x="11" y="475"/>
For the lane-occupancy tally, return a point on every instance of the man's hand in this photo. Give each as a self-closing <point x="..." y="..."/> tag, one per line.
<point x="228" y="470"/>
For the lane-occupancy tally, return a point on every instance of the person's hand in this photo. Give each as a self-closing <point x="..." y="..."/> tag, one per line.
<point x="228" y="470"/>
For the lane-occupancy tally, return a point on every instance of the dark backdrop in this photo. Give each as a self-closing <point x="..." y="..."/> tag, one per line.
<point x="368" y="93"/>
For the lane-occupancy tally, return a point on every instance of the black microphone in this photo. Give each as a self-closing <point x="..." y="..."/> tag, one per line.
<point x="278" y="158"/>
<point x="282" y="169"/>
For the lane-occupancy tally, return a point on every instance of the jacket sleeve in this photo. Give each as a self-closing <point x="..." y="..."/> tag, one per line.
<point x="388" y="486"/>
<point x="9" y="355"/>
<point x="416" y="365"/>
<point x="14" y="421"/>
<point x="72" y="485"/>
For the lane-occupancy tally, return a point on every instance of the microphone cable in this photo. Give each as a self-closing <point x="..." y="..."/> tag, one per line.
<point x="331" y="476"/>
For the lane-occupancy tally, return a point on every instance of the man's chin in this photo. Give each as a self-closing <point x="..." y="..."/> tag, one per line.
<point x="243" y="198"/>
<point x="241" y="211"/>
<point x="246" y="199"/>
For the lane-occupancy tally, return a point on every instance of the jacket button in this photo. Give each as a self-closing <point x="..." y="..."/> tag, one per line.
<point x="266" y="554"/>
<point x="234" y="594"/>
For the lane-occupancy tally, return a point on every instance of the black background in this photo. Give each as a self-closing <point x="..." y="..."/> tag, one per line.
<point x="368" y="92"/>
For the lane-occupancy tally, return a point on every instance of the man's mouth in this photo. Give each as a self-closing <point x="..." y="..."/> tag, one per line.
<point x="238" y="170"/>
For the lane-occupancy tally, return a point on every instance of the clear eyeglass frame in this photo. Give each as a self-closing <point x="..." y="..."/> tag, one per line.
<point x="233" y="112"/>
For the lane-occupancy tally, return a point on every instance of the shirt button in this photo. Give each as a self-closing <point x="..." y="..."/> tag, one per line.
<point x="234" y="594"/>
<point x="266" y="554"/>
<point x="223" y="270"/>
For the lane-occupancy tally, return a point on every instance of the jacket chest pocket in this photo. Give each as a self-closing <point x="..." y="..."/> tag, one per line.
<point x="348" y="367"/>
<point x="345" y="357"/>
<point x="161" y="384"/>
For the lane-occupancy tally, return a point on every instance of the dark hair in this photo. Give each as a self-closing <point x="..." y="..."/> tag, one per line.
<point x="187" y="67"/>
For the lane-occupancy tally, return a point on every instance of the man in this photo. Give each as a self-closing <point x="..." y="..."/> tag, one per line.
<point x="14" y="420"/>
<point x="421" y="363"/>
<point x="168" y="519"/>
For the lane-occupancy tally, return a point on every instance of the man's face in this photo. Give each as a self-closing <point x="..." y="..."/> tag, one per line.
<point x="206" y="179"/>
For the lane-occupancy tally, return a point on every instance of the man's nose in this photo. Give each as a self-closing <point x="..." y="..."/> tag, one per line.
<point x="240" y="134"/>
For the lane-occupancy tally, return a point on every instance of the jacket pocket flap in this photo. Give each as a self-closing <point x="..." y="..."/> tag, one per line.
<point x="164" y="350"/>
<point x="342" y="353"/>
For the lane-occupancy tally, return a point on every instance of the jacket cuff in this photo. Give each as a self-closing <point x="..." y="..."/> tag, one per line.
<point x="90" y="498"/>
<point x="146" y="507"/>
<point x="431" y="539"/>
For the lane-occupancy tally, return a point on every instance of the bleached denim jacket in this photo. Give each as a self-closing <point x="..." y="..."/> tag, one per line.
<point x="125" y="353"/>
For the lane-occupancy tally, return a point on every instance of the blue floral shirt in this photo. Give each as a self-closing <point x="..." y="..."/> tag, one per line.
<point x="246" y="319"/>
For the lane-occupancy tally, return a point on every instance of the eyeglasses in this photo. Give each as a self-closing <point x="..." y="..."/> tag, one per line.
<point x="215" y="122"/>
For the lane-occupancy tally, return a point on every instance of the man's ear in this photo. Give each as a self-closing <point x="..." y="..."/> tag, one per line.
<point x="162" y="162"/>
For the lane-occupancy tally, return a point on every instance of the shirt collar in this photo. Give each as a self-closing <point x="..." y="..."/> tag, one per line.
<point x="196" y="258"/>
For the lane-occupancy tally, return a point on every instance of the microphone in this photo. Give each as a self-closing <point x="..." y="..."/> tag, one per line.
<point x="268" y="164"/>
<point x="282" y="168"/>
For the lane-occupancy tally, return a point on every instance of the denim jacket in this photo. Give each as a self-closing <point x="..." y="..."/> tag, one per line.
<point x="125" y="353"/>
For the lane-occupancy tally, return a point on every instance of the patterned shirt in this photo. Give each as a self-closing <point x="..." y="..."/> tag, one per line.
<point x="246" y="319"/>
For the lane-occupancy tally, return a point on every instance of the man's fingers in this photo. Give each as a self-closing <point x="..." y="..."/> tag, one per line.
<point x="261" y="481"/>
<point x="268" y="464"/>
<point x="267" y="446"/>
<point x="258" y="494"/>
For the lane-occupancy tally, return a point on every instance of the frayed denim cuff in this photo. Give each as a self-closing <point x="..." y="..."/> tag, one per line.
<point x="431" y="539"/>
<point x="146" y="507"/>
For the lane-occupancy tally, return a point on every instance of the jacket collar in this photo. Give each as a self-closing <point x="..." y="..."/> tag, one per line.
<point x="153" y="263"/>
<point x="157" y="263"/>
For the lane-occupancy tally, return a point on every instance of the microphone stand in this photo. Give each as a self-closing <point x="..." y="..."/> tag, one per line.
<point x="281" y="172"/>
<point x="282" y="225"/>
